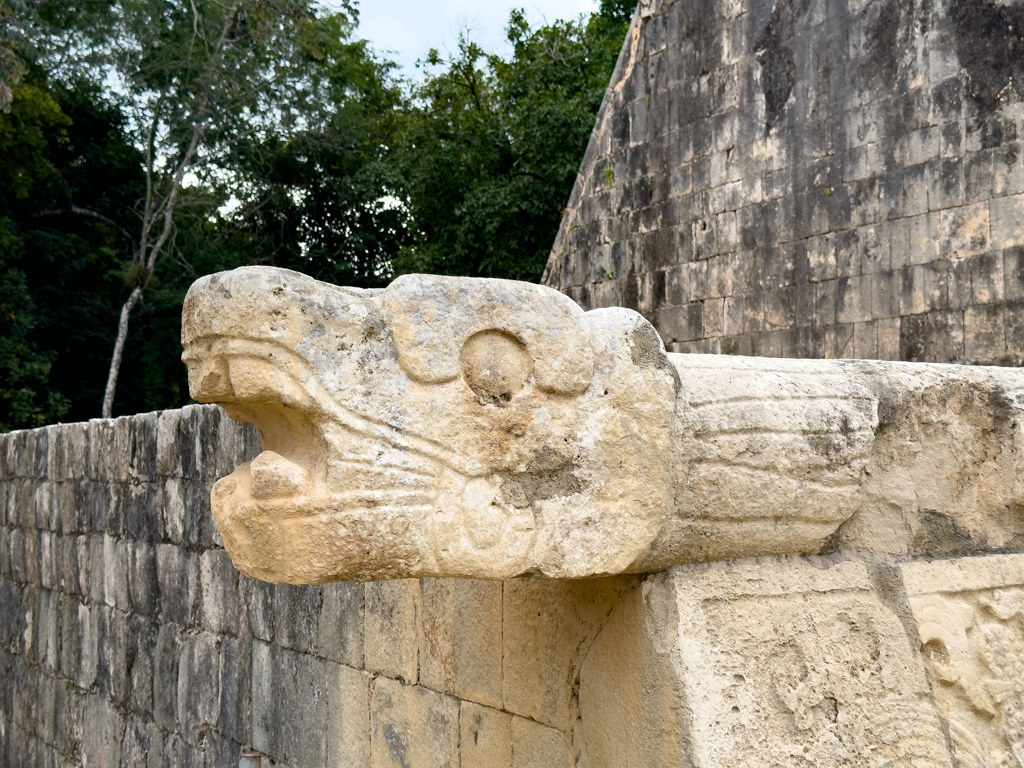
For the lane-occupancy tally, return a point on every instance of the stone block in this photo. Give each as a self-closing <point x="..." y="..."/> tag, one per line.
<point x="178" y="751"/>
<point x="115" y="560"/>
<point x="178" y="575"/>
<point x="17" y="555"/>
<point x="143" y="585"/>
<point x="258" y="599"/>
<point x="888" y="335"/>
<point x="142" y="744"/>
<point x="112" y="670"/>
<point x="967" y="613"/>
<point x="964" y="231"/>
<point x="485" y="736"/>
<point x="296" y="616"/>
<point x="235" y="689"/>
<point x="538" y="746"/>
<point x="23" y="698"/>
<point x="412" y="727"/>
<point x="915" y="190"/>
<point x="937" y="336"/>
<point x="165" y="677"/>
<point x="87" y="624"/>
<point x="96" y="567"/>
<point x="198" y="694"/>
<point x="984" y="335"/>
<point x="865" y="341"/>
<point x="219" y="601"/>
<point x="5" y="553"/>
<point x="41" y="453"/>
<point x="83" y="545"/>
<point x="340" y="628"/>
<point x="42" y="508"/>
<point x="945" y="183"/>
<point x="48" y="557"/>
<point x="460" y="648"/>
<point x="95" y="498"/>
<point x="219" y="751"/>
<point x="46" y="707"/>
<point x="168" y="453"/>
<point x="47" y="630"/>
<point x="31" y="555"/>
<point x="142" y="642"/>
<point x="197" y="519"/>
<point x="173" y="510"/>
<point x="392" y="620"/>
<point x="103" y="733"/>
<point x="75" y="513"/>
<point x="144" y="428"/>
<point x="821" y="258"/>
<point x="348" y="727"/>
<point x="71" y="722"/>
<point x="1006" y="215"/>
<point x="70" y="637"/>
<point x="853" y="299"/>
<point x="193" y="431"/>
<point x="799" y="654"/>
<point x="142" y="511"/>
<point x="290" y="704"/>
<point x="547" y="628"/>
<point x="13" y="613"/>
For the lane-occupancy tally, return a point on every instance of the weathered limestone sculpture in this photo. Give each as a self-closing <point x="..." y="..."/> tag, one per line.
<point x="489" y="428"/>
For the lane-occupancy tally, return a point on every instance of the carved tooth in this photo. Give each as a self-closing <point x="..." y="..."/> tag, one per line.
<point x="273" y="476"/>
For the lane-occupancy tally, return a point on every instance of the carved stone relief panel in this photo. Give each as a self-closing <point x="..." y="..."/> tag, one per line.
<point x="792" y="663"/>
<point x="970" y="617"/>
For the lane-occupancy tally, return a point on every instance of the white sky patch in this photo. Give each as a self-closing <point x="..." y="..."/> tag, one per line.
<point x="404" y="30"/>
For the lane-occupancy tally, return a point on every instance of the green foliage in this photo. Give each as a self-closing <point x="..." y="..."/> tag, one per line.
<point x="326" y="200"/>
<point x="309" y="155"/>
<point x="26" y="398"/>
<point x="493" y="147"/>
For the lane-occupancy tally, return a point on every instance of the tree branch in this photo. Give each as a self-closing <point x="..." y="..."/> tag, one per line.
<point x="80" y="211"/>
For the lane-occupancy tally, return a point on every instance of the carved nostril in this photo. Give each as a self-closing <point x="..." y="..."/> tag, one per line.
<point x="495" y="365"/>
<point x="210" y="381"/>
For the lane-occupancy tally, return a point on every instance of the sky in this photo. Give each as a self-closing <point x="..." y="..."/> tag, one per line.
<point x="404" y="30"/>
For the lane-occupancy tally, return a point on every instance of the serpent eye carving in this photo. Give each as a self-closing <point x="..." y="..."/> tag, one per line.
<point x="495" y="366"/>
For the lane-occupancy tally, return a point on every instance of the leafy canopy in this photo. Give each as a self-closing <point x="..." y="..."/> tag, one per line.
<point x="492" y="147"/>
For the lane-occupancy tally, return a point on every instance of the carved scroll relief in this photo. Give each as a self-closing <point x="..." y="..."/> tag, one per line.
<point x="784" y="662"/>
<point x="970" y="616"/>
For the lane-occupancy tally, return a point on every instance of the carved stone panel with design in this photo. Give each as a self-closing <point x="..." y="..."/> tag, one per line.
<point x="794" y="663"/>
<point x="970" y="617"/>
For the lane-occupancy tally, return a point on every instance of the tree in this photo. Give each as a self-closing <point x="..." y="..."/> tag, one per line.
<point x="198" y="80"/>
<point x="327" y="201"/>
<point x="493" y="147"/>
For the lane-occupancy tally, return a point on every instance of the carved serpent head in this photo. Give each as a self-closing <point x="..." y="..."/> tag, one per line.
<point x="441" y="426"/>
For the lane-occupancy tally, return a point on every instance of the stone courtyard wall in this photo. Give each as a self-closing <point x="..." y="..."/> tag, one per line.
<point x="127" y="638"/>
<point x="810" y="179"/>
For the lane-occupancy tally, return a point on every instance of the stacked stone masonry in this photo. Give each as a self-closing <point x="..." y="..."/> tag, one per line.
<point x="127" y="638"/>
<point x="801" y="179"/>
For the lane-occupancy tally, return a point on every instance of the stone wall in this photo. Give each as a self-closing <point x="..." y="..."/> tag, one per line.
<point x="830" y="179"/>
<point x="127" y="638"/>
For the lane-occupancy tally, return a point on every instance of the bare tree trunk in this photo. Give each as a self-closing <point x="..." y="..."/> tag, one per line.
<point x="115" y="360"/>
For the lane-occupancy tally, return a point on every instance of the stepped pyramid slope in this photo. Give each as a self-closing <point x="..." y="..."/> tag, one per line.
<point x="831" y="179"/>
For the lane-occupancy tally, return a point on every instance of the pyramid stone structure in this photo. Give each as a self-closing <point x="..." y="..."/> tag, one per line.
<point x="810" y="179"/>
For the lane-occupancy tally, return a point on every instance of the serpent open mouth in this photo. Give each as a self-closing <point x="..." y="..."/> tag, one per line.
<point x="325" y="470"/>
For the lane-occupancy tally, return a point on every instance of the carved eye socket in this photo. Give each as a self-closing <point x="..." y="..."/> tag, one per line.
<point x="495" y="365"/>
